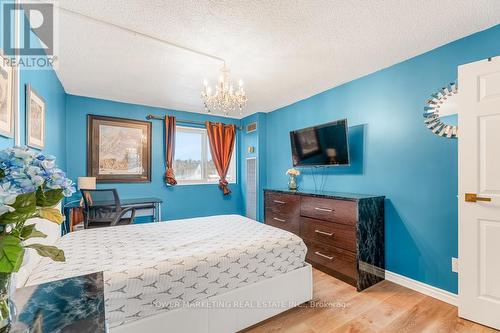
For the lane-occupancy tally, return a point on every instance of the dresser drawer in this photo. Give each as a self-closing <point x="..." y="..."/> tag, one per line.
<point x="333" y="258"/>
<point x="285" y="204"/>
<point x="330" y="233"/>
<point x="340" y="211"/>
<point x="288" y="223"/>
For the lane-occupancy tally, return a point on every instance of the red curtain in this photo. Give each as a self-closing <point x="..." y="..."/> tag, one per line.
<point x="169" y="149"/>
<point x="221" y="138"/>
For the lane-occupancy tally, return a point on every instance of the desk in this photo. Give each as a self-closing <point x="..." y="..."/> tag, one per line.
<point x="144" y="207"/>
<point x="70" y="305"/>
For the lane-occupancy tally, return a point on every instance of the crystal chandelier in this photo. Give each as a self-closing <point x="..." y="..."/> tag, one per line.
<point x="226" y="99"/>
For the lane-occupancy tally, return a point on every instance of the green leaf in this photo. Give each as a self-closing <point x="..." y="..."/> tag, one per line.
<point x="49" y="251"/>
<point x="2" y="173"/>
<point x="51" y="214"/>
<point x="11" y="254"/>
<point x="29" y="231"/>
<point x="48" y="198"/>
<point x="25" y="208"/>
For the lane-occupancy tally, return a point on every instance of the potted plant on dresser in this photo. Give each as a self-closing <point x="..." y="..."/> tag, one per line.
<point x="31" y="185"/>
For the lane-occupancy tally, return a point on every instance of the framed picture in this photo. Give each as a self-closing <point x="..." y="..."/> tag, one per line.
<point x="6" y="98"/>
<point x="118" y="150"/>
<point x="35" y="119"/>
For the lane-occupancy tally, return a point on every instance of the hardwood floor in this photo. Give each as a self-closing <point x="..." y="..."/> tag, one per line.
<point x="385" y="307"/>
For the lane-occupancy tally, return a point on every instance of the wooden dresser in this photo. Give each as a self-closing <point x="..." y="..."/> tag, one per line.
<point x="344" y="233"/>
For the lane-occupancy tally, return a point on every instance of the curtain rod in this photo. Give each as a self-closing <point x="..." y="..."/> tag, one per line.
<point x="150" y="116"/>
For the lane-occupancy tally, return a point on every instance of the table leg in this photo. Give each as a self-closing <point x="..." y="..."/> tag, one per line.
<point x="158" y="212"/>
<point x="67" y="220"/>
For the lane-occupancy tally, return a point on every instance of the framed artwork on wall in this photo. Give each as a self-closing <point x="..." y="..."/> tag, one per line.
<point x="6" y="98"/>
<point x="35" y="119"/>
<point x="118" y="150"/>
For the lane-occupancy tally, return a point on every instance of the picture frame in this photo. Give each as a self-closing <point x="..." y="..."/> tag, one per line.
<point x="7" y="92"/>
<point x="35" y="119"/>
<point x="118" y="149"/>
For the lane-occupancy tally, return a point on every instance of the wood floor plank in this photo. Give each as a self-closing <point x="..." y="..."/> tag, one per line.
<point x="377" y="318"/>
<point x="385" y="307"/>
<point x="421" y="317"/>
<point x="355" y="304"/>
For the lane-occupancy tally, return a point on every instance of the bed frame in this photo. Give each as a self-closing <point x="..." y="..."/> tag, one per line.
<point x="275" y="295"/>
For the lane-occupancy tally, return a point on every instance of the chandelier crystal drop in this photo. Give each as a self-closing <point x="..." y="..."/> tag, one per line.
<point x="226" y="99"/>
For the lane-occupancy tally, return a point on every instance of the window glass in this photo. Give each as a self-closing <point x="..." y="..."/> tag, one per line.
<point x="193" y="162"/>
<point x="188" y="155"/>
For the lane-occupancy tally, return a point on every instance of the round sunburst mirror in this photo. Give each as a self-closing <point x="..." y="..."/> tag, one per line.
<point x="443" y="102"/>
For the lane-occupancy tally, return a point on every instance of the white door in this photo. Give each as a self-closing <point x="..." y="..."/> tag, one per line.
<point x="479" y="191"/>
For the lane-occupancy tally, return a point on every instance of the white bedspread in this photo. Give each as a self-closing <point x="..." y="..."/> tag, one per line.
<point x="173" y="263"/>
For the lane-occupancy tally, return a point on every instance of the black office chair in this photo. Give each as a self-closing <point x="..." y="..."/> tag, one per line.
<point x="102" y="209"/>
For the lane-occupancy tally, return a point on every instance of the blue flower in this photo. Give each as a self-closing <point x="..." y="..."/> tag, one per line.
<point x="26" y="171"/>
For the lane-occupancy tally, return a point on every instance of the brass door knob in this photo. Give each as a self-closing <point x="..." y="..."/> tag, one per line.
<point x="472" y="197"/>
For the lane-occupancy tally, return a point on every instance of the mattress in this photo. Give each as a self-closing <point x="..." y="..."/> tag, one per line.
<point x="151" y="268"/>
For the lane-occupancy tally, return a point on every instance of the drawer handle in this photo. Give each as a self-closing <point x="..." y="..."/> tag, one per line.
<point x="329" y="234"/>
<point x="279" y="202"/>
<point x="323" y="209"/>
<point x="277" y="219"/>
<point x="323" y="255"/>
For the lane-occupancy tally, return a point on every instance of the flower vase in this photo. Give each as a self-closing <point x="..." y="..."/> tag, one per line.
<point x="292" y="183"/>
<point x="6" y="305"/>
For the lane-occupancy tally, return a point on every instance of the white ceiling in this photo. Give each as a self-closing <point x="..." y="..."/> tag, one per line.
<point x="284" y="50"/>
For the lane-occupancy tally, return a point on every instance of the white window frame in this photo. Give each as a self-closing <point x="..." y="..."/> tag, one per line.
<point x="204" y="154"/>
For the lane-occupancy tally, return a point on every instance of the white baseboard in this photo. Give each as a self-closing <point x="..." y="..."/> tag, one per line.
<point x="423" y="288"/>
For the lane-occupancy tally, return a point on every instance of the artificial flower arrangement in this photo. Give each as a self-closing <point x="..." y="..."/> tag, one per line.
<point x="293" y="172"/>
<point x="31" y="185"/>
<point x="292" y="181"/>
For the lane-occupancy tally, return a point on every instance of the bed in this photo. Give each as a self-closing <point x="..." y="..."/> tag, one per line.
<point x="211" y="274"/>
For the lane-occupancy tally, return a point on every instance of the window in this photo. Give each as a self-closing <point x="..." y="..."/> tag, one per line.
<point x="193" y="162"/>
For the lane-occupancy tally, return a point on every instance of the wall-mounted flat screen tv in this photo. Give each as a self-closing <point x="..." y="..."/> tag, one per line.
<point x="323" y="145"/>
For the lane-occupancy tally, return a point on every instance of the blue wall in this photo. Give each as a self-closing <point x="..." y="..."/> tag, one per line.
<point x="47" y="85"/>
<point x="4" y="141"/>
<point x="393" y="154"/>
<point x="181" y="201"/>
<point x="1" y="25"/>
<point x="257" y="140"/>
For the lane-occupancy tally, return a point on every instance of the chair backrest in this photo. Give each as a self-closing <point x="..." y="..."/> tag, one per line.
<point x="102" y="205"/>
<point x="101" y="198"/>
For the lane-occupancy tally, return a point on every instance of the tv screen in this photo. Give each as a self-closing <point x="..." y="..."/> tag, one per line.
<point x="325" y="145"/>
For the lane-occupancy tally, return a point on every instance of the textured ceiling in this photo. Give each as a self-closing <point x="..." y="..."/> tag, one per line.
<point x="284" y="50"/>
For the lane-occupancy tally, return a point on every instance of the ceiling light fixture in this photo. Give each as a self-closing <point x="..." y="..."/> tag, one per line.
<point x="225" y="99"/>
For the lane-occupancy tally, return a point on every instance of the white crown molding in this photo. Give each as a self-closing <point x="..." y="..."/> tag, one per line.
<point x="423" y="288"/>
